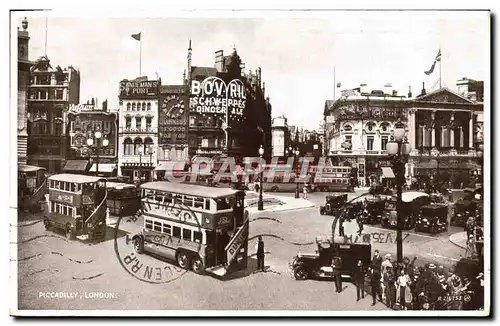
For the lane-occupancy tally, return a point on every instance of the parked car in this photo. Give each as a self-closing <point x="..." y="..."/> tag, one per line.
<point x="319" y="264"/>
<point x="433" y="219"/>
<point x="332" y="204"/>
<point x="412" y="202"/>
<point x="466" y="206"/>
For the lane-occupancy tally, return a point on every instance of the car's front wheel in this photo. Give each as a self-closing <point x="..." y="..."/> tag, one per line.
<point x="300" y="273"/>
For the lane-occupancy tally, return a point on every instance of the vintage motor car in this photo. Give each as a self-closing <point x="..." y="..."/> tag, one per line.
<point x="412" y="201"/>
<point x="374" y="210"/>
<point x="466" y="206"/>
<point x="433" y="219"/>
<point x="319" y="264"/>
<point x="332" y="204"/>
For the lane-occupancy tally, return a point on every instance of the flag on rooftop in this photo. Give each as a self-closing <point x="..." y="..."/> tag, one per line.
<point x="438" y="58"/>
<point x="136" y="36"/>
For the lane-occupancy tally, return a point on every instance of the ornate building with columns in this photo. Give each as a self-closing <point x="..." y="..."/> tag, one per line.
<point x="357" y="129"/>
<point x="443" y="129"/>
<point x="138" y="128"/>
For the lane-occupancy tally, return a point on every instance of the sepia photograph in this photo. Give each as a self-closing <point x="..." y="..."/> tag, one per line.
<point x="250" y="163"/>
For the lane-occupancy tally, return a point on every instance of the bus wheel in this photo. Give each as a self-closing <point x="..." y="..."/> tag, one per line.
<point x="69" y="233"/>
<point x="300" y="273"/>
<point x="274" y="189"/>
<point x="183" y="260"/>
<point x="197" y="265"/>
<point x="139" y="245"/>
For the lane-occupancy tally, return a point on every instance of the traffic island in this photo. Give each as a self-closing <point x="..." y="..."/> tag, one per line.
<point x="459" y="239"/>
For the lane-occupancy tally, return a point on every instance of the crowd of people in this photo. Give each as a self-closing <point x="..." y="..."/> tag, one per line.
<point x="405" y="286"/>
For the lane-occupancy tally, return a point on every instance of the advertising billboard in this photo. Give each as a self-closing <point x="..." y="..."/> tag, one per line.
<point x="130" y="89"/>
<point x="83" y="126"/>
<point x="278" y="138"/>
<point x="214" y="96"/>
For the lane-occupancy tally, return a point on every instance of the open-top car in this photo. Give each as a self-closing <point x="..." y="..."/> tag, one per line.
<point x="319" y="264"/>
<point x="412" y="201"/>
<point x="433" y="218"/>
<point x="332" y="204"/>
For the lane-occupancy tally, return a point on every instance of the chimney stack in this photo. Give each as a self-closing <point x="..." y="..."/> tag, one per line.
<point x="219" y="60"/>
<point x="409" y="92"/>
<point x="423" y="89"/>
<point x="242" y="67"/>
<point x="264" y="89"/>
<point x="259" y="77"/>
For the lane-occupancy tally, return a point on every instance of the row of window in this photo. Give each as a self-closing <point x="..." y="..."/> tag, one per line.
<point x="138" y="122"/>
<point x="40" y="94"/>
<point x="384" y="127"/>
<point x="200" y="203"/>
<point x="370" y="140"/>
<point x="137" y="147"/>
<point x="63" y="209"/>
<point x="184" y="232"/>
<point x="71" y="186"/>
<point x="138" y="106"/>
<point x="42" y="128"/>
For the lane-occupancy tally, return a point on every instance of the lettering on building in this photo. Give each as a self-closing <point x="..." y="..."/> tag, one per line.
<point x="214" y="96"/>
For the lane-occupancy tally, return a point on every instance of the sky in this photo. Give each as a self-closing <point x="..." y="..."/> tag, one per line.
<point x="298" y="53"/>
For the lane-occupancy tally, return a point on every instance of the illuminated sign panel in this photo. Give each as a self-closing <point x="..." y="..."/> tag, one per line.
<point x="83" y="126"/>
<point x="214" y="96"/>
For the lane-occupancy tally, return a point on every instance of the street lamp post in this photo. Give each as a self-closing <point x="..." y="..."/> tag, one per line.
<point x="139" y="150"/>
<point x="150" y="152"/>
<point x="260" y="204"/>
<point x="480" y="149"/>
<point x="399" y="150"/>
<point x="436" y="155"/>
<point x="297" y="153"/>
<point x="90" y="143"/>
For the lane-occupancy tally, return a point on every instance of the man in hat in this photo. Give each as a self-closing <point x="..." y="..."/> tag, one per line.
<point x="389" y="280"/>
<point x="337" y="274"/>
<point x="374" y="274"/>
<point x="377" y="261"/>
<point x="359" y="278"/>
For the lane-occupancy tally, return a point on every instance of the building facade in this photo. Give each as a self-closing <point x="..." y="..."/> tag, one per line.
<point x="51" y="92"/>
<point x="84" y="120"/>
<point x="23" y="78"/>
<point x="138" y="128"/>
<point x="223" y="89"/>
<point x="442" y="127"/>
<point x="280" y="136"/>
<point x="357" y="129"/>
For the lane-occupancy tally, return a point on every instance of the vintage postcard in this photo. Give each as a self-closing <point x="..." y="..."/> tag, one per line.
<point x="250" y="163"/>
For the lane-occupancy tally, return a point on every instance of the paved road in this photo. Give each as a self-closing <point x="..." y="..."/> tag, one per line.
<point x="48" y="262"/>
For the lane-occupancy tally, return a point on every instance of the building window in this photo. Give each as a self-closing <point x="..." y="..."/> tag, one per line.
<point x="149" y="106"/>
<point x="204" y="142"/>
<point x="148" y="145"/>
<point x="384" y="141"/>
<point x="200" y="141"/>
<point x="133" y="106"/>
<point x="128" y="147"/>
<point x="148" y="123"/>
<point x="369" y="142"/>
<point x="137" y="145"/>
<point x="59" y="94"/>
<point x="58" y="128"/>
<point x="143" y="106"/>
<point x="128" y="106"/>
<point x="199" y="122"/>
<point x="347" y="128"/>
<point x="128" y="123"/>
<point x="192" y="121"/>
<point x="138" y="122"/>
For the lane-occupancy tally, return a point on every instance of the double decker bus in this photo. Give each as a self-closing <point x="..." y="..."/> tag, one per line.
<point x="123" y="198"/>
<point x="31" y="187"/>
<point x="77" y="205"/>
<point x="201" y="228"/>
<point x="331" y="178"/>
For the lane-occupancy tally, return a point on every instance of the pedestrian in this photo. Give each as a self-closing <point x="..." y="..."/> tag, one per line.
<point x="337" y="273"/>
<point x="375" y="284"/>
<point x="260" y="254"/>
<point x="390" y="286"/>
<point x="377" y="261"/>
<point x="359" y="279"/>
<point x="387" y="262"/>
<point x="304" y="190"/>
<point x="359" y="220"/>
<point x="403" y="281"/>
<point x="470" y="250"/>
<point x="341" y="227"/>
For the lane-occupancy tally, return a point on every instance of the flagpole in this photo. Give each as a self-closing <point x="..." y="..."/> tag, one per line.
<point x="46" y="23"/>
<point x="334" y="83"/>
<point x="140" y="54"/>
<point x="440" y="60"/>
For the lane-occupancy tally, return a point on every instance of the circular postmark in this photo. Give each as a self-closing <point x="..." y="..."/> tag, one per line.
<point x="155" y="249"/>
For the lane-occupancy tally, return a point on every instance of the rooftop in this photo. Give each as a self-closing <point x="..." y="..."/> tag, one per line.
<point x="189" y="189"/>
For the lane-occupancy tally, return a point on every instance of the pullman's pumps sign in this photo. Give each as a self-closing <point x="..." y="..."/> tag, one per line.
<point x="214" y="96"/>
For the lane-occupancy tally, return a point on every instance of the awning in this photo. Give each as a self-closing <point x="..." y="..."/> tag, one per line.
<point x="171" y="166"/>
<point x="103" y="167"/>
<point x="76" y="165"/>
<point x="387" y="172"/>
